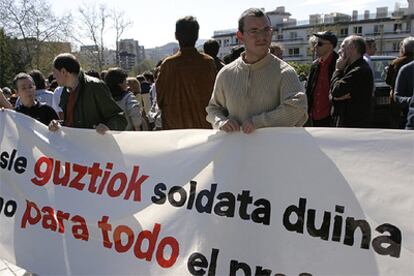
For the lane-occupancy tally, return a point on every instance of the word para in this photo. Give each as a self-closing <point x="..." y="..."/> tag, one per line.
<point x="351" y="225"/>
<point x="150" y="236"/>
<point x="54" y="221"/>
<point x="10" y="161"/>
<point x="94" y="178"/>
<point x="10" y="207"/>
<point x="224" y="206"/>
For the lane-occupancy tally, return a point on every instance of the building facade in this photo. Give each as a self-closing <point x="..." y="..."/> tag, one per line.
<point x="130" y="54"/>
<point x="388" y="28"/>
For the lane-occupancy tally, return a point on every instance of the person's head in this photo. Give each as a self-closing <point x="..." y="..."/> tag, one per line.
<point x="276" y="49"/>
<point x="103" y="74"/>
<point x="38" y="78"/>
<point x="149" y="77"/>
<point x="186" y="31"/>
<point x="371" y="46"/>
<point x="407" y="46"/>
<point x="134" y="85"/>
<point x="25" y="88"/>
<point x="325" y="43"/>
<point x="65" y="68"/>
<point x="352" y="48"/>
<point x="50" y="78"/>
<point x="115" y="79"/>
<point x="211" y="47"/>
<point x="141" y="78"/>
<point x="255" y="32"/>
<point x="7" y="92"/>
<point x="93" y="73"/>
<point x="235" y="54"/>
<point x="53" y="85"/>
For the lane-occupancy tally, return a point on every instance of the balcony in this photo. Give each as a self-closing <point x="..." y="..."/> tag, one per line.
<point x="290" y="39"/>
<point x="388" y="33"/>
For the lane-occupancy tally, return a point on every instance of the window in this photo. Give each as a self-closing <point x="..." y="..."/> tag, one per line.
<point x="280" y="37"/>
<point x="378" y="29"/>
<point x="358" y="30"/>
<point x="293" y="35"/>
<point x="395" y="46"/>
<point x="343" y="32"/>
<point x="293" y="51"/>
<point x="397" y="27"/>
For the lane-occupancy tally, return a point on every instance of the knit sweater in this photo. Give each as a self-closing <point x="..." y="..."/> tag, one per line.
<point x="268" y="92"/>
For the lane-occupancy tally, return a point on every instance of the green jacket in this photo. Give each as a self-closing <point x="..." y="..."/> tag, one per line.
<point x="93" y="105"/>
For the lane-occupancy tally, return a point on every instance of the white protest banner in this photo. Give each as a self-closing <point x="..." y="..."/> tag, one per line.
<point x="290" y="201"/>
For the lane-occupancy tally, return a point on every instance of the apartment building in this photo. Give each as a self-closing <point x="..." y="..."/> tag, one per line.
<point x="388" y="28"/>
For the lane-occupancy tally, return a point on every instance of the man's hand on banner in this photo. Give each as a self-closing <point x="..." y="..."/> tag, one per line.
<point x="230" y="125"/>
<point x="54" y="125"/>
<point x="248" y="126"/>
<point x="101" y="128"/>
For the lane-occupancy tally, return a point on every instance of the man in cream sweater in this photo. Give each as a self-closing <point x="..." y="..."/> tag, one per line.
<point x="257" y="90"/>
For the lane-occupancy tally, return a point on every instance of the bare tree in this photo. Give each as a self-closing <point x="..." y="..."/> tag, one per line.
<point x="93" y="25"/>
<point x="33" y="22"/>
<point x="120" y="24"/>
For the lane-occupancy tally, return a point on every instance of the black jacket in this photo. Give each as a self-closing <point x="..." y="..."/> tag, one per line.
<point x="313" y="78"/>
<point x="356" y="80"/>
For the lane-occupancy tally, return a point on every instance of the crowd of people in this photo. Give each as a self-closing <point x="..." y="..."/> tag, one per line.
<point x="249" y="89"/>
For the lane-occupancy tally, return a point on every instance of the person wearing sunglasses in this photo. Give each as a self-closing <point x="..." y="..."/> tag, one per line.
<point x="319" y="80"/>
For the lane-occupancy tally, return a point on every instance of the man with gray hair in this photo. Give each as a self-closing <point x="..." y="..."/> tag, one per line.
<point x="351" y="85"/>
<point x="256" y="90"/>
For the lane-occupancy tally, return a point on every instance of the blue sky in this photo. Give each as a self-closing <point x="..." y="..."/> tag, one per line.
<point x="154" y="20"/>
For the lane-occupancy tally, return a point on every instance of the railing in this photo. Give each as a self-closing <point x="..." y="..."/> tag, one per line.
<point x="388" y="33"/>
<point x="225" y="32"/>
<point x="329" y="19"/>
<point x="290" y="39"/>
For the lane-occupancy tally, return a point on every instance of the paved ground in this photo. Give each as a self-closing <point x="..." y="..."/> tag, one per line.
<point x="7" y="269"/>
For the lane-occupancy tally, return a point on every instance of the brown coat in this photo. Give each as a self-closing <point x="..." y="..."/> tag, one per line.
<point x="394" y="68"/>
<point x="184" y="86"/>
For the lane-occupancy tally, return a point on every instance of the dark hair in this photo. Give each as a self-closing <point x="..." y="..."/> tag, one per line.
<point x="67" y="61"/>
<point x="369" y="40"/>
<point x="250" y="12"/>
<point x="113" y="79"/>
<point x="148" y="76"/>
<point x="21" y="76"/>
<point x="186" y="31"/>
<point x="38" y="78"/>
<point x="93" y="73"/>
<point x="50" y="78"/>
<point x="211" y="47"/>
<point x="103" y="74"/>
<point x="53" y="85"/>
<point x="235" y="53"/>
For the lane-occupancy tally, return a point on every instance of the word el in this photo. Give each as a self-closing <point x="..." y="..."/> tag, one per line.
<point x="393" y="241"/>
<point x="93" y="178"/>
<point x="11" y="161"/>
<point x="224" y="206"/>
<point x="54" y="221"/>
<point x="198" y="265"/>
<point x="150" y="236"/>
